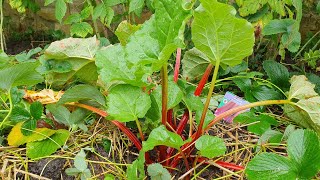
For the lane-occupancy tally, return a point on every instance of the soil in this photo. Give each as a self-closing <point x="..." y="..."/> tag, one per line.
<point x="50" y="168"/>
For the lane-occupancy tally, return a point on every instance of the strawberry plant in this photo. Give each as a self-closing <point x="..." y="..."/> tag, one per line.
<point x="128" y="93"/>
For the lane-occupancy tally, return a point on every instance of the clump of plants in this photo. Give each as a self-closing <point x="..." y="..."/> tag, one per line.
<point x="172" y="119"/>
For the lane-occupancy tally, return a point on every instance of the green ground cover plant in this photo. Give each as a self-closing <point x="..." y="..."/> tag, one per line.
<point x="137" y="85"/>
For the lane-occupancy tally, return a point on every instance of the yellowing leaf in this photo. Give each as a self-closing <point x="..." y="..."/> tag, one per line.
<point x="301" y="88"/>
<point x="16" y="138"/>
<point x="45" y="96"/>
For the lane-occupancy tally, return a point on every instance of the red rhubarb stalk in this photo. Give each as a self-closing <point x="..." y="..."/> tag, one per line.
<point x="177" y="66"/>
<point x="223" y="164"/>
<point x="203" y="80"/>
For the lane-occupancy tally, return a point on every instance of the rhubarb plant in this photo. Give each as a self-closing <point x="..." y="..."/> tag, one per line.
<point x="126" y="75"/>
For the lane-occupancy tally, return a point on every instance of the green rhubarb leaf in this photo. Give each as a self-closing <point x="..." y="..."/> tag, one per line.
<point x="210" y="146"/>
<point x="20" y="74"/>
<point x="36" y="110"/>
<point x="113" y="67"/>
<point x="78" y="54"/>
<point x="48" y="146"/>
<point x="267" y="166"/>
<point x="194" y="64"/>
<point x="73" y="48"/>
<point x="127" y="103"/>
<point x="161" y="136"/>
<point x="125" y="30"/>
<point x="220" y="35"/>
<point x="303" y="150"/>
<point x="82" y="92"/>
<point x="277" y="72"/>
<point x="149" y="48"/>
<point x="157" y="172"/>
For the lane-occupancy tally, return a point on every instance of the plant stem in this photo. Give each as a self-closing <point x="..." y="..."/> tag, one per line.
<point x="244" y="107"/>
<point x="305" y="45"/>
<point x="164" y="77"/>
<point x="94" y="21"/>
<point x="170" y="118"/>
<point x="185" y="159"/>
<point x="203" y="80"/>
<point x="191" y="123"/>
<point x="10" y="109"/>
<point x="177" y="66"/>
<point x="218" y="118"/>
<point x="4" y="111"/>
<point x="140" y="129"/>
<point x="120" y="125"/>
<point x="206" y="105"/>
<point x="1" y="26"/>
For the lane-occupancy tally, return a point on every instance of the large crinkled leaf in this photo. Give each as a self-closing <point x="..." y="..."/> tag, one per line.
<point x="84" y="48"/>
<point x="151" y="46"/>
<point x="301" y="88"/>
<point x="312" y="107"/>
<point x="47" y="146"/>
<point x="161" y="136"/>
<point x="220" y="35"/>
<point x="70" y="59"/>
<point x="194" y="64"/>
<point x="210" y="146"/>
<point x="298" y="115"/>
<point x="306" y="111"/>
<point x="82" y="92"/>
<point x="267" y="166"/>
<point x="20" y="74"/>
<point x="303" y="150"/>
<point x="127" y="103"/>
<point x="125" y="30"/>
<point x="16" y="138"/>
<point x="113" y="68"/>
